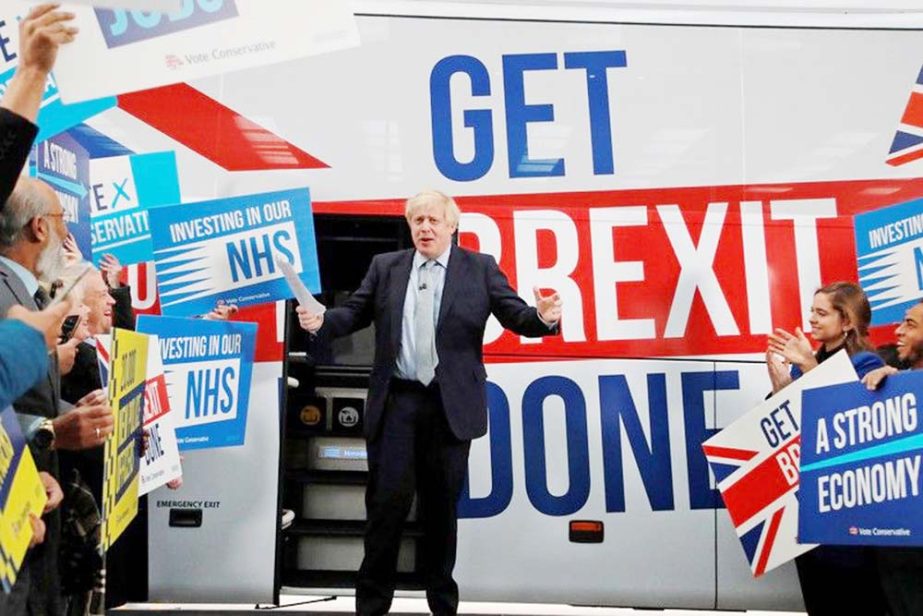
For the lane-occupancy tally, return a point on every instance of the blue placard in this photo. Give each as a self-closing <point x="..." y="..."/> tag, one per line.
<point x="861" y="463"/>
<point x="122" y="190"/>
<point x="208" y="367"/>
<point x="64" y="164"/>
<point x="889" y="248"/>
<point x="54" y="116"/>
<point x="226" y="250"/>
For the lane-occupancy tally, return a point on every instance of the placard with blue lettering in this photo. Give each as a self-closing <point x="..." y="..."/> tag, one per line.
<point x="54" y="116"/>
<point x="64" y="164"/>
<point x="122" y="51"/>
<point x="122" y="188"/>
<point x="140" y="5"/>
<point x="227" y="249"/>
<point x="755" y="463"/>
<point x="889" y="248"/>
<point x="860" y="472"/>
<point x="208" y="367"/>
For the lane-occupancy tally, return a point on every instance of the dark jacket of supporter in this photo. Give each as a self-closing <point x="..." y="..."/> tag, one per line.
<point x="16" y="136"/>
<point x="39" y="578"/>
<point x="841" y="580"/>
<point x="126" y="573"/>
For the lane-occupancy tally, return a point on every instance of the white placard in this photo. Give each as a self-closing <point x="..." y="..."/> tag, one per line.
<point x="138" y="5"/>
<point x="755" y="463"/>
<point x="300" y="291"/>
<point x="160" y="463"/>
<point x="123" y="51"/>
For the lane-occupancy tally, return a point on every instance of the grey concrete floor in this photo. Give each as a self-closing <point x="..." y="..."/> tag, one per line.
<point x="314" y="606"/>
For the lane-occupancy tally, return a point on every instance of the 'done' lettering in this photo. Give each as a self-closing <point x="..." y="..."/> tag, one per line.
<point x="154" y="445"/>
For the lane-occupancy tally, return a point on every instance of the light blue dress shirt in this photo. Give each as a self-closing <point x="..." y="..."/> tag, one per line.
<point x="406" y="363"/>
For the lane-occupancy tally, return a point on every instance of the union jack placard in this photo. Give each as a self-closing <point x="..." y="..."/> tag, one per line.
<point x="907" y="145"/>
<point x="755" y="464"/>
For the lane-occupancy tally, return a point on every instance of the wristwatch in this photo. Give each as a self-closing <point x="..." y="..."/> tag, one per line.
<point x="41" y="434"/>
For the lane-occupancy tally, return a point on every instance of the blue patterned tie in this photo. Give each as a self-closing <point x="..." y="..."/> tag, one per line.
<point x="423" y="327"/>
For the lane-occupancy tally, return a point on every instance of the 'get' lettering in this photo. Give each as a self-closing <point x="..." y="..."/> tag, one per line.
<point x="519" y="113"/>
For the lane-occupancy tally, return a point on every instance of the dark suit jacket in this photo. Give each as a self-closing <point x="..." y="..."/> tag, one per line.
<point x="42" y="399"/>
<point x="474" y="289"/>
<point x="43" y="590"/>
<point x="16" y="136"/>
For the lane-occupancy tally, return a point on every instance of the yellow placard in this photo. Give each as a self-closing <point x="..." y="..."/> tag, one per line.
<point x="127" y="370"/>
<point x="22" y="494"/>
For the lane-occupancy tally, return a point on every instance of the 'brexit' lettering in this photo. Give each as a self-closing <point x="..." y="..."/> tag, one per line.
<point x="518" y="113"/>
<point x="121" y="27"/>
<point x="666" y="271"/>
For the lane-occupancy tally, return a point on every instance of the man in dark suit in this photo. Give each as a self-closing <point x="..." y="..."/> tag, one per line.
<point x="427" y="396"/>
<point x="40" y="33"/>
<point x="32" y="232"/>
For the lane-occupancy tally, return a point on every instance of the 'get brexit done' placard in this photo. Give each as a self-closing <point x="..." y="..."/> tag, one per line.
<point x="226" y="250"/>
<point x="861" y="463"/>
<point x="755" y="463"/>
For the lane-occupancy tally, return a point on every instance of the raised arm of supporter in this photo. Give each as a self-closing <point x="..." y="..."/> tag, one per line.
<point x="876" y="377"/>
<point x="221" y="312"/>
<point x="71" y="251"/>
<point x="111" y="269"/>
<point x="779" y="374"/>
<point x="41" y="32"/>
<point x="795" y="348"/>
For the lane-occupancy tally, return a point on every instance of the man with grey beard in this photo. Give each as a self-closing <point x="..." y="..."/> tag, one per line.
<point x="32" y="232"/>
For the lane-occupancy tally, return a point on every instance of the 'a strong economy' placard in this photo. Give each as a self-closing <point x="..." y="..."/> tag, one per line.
<point x="860" y="472"/>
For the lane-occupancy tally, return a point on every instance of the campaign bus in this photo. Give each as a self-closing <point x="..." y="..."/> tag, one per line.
<point x="684" y="180"/>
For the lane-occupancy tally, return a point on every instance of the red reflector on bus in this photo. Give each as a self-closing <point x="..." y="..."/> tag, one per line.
<point x="586" y="531"/>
